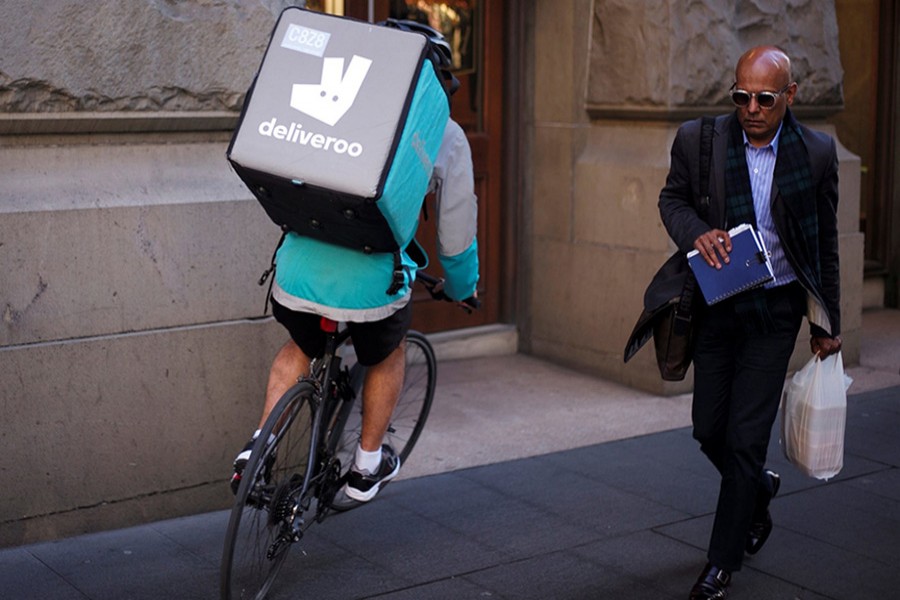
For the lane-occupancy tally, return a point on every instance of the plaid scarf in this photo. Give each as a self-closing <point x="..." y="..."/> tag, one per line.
<point x="738" y="194"/>
<point x="793" y="178"/>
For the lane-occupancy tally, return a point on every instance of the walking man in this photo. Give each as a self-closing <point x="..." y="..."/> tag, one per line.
<point x="776" y="174"/>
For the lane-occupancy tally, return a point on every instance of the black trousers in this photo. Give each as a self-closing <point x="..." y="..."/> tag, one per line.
<point x="739" y="374"/>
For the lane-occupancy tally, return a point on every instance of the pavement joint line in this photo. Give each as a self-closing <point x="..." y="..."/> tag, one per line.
<point x="820" y="593"/>
<point x="62" y="577"/>
<point x="462" y="575"/>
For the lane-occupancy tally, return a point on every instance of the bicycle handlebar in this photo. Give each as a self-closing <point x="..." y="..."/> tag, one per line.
<point x="435" y="287"/>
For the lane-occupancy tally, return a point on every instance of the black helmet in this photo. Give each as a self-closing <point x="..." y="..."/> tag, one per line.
<point x="443" y="55"/>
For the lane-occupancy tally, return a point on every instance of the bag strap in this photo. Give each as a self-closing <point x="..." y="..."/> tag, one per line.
<point x="400" y="274"/>
<point x="271" y="270"/>
<point x="415" y="251"/>
<point x="707" y="125"/>
<point x="683" y="311"/>
<point x="397" y="279"/>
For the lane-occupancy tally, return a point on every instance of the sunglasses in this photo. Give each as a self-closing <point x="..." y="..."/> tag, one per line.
<point x="742" y="98"/>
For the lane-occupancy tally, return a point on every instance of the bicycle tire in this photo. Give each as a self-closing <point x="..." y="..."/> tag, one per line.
<point x="256" y="541"/>
<point x="413" y="406"/>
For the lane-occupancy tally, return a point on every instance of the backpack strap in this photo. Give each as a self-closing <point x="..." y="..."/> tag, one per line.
<point x="415" y="251"/>
<point x="397" y="278"/>
<point x="271" y="270"/>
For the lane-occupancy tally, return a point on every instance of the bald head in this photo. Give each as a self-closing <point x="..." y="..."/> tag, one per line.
<point x="767" y="70"/>
<point x="770" y="60"/>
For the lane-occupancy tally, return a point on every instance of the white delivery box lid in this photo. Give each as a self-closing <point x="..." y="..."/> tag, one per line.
<point x="328" y="102"/>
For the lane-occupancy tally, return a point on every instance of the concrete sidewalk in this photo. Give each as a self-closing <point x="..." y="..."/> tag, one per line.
<point x="599" y="493"/>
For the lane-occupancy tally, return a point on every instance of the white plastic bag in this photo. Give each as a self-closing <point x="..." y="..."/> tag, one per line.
<point x="813" y="414"/>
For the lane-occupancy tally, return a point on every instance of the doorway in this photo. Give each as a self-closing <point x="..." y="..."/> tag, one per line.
<point x="867" y="126"/>
<point x="474" y="29"/>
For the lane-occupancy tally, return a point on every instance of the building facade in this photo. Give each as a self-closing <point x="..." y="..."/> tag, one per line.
<point x="134" y="346"/>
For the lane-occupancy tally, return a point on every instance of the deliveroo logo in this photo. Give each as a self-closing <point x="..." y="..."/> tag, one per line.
<point x="330" y="100"/>
<point x="326" y="101"/>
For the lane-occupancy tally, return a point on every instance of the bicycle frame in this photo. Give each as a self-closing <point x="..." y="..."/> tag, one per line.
<point x="331" y="405"/>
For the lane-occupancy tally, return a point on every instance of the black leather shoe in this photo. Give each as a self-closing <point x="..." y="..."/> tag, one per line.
<point x="760" y="530"/>
<point x="712" y="584"/>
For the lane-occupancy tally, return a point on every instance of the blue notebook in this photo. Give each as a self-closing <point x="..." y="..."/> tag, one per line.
<point x="749" y="267"/>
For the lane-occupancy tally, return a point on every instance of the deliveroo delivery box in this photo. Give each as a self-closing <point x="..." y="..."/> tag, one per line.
<point x="340" y="129"/>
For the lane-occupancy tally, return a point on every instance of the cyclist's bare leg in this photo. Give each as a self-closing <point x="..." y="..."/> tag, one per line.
<point x="381" y="389"/>
<point x="289" y="365"/>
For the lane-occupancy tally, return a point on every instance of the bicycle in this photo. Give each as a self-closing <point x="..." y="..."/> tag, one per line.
<point x="302" y="454"/>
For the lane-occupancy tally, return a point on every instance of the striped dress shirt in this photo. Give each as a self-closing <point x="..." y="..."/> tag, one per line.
<point x="761" y="164"/>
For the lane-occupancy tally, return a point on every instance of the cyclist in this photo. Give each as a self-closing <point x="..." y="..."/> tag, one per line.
<point x="315" y="279"/>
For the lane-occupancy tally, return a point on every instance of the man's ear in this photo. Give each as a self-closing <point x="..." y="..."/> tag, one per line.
<point x="789" y="93"/>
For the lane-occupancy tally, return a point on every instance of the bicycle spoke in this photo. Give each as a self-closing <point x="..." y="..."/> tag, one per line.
<point x="268" y="515"/>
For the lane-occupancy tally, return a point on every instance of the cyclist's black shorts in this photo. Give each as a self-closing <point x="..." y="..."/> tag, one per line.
<point x="373" y="341"/>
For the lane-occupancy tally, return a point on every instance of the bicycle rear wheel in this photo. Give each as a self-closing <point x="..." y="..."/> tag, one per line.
<point x="412" y="408"/>
<point x="416" y="396"/>
<point x="267" y="516"/>
<point x="409" y="415"/>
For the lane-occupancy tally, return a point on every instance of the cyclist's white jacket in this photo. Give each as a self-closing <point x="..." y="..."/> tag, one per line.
<point x="346" y="284"/>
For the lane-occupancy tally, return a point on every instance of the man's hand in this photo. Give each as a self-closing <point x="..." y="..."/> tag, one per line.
<point x="714" y="245"/>
<point x="825" y="346"/>
<point x="469" y="303"/>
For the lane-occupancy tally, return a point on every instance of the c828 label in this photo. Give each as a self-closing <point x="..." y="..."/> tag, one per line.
<point x="305" y="39"/>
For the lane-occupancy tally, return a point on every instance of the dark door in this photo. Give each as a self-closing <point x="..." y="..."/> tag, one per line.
<point x="474" y="29"/>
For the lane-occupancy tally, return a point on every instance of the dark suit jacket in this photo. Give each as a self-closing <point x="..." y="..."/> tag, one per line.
<point x="678" y="207"/>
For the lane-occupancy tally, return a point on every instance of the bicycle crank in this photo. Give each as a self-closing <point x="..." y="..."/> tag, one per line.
<point x="331" y="483"/>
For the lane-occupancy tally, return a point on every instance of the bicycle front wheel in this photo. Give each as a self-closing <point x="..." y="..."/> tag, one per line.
<point x="267" y="516"/>
<point x="412" y="408"/>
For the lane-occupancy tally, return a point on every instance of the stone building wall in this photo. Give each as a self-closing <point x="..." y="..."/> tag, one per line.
<point x="132" y="352"/>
